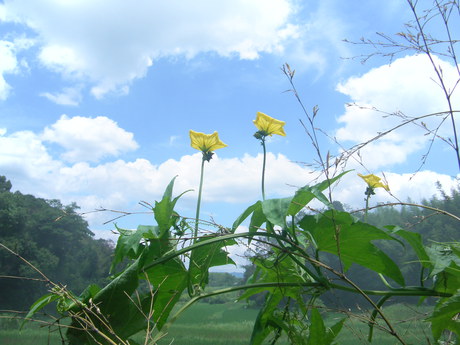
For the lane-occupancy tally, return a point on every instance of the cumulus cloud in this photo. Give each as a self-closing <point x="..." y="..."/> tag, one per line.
<point x="406" y="87"/>
<point x="24" y="156"/>
<point x="317" y="48"/>
<point x="111" y="43"/>
<point x="28" y="160"/>
<point x="118" y="183"/>
<point x="9" y="65"/>
<point x="69" y="96"/>
<point x="89" y="139"/>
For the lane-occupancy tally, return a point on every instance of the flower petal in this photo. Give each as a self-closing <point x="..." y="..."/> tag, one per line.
<point x="205" y="142"/>
<point x="268" y="125"/>
<point x="374" y="181"/>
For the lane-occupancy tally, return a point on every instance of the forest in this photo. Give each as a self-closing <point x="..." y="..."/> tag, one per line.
<point x="51" y="236"/>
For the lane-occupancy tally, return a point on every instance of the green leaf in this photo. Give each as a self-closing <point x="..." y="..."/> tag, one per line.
<point x="340" y="234"/>
<point x="441" y="257"/>
<point x="39" y="304"/>
<point x="262" y="326"/>
<point x="164" y="210"/>
<point x="415" y="241"/>
<point x="115" y="303"/>
<point x="443" y="317"/>
<point x="306" y="194"/>
<point x="334" y="331"/>
<point x="74" y="303"/>
<point x="204" y="257"/>
<point x="257" y="219"/>
<point x="169" y="280"/>
<point x="244" y="215"/>
<point x="317" y="334"/>
<point x="446" y="267"/>
<point x="157" y="246"/>
<point x="129" y="243"/>
<point x="275" y="210"/>
<point x="278" y="269"/>
<point x="448" y="280"/>
<point x="132" y="342"/>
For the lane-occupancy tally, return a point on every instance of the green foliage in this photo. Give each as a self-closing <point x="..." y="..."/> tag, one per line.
<point x="319" y="334"/>
<point x="445" y="317"/>
<point x="307" y="256"/>
<point x="204" y="257"/>
<point x="51" y="236"/>
<point x="142" y="295"/>
<point x="351" y="241"/>
<point x="115" y="307"/>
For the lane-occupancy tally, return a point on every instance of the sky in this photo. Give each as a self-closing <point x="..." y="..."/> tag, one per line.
<point x="97" y="98"/>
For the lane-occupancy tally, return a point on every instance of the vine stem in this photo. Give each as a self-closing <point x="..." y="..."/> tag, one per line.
<point x="198" y="204"/>
<point x="263" y="167"/>
<point x="367" y="207"/>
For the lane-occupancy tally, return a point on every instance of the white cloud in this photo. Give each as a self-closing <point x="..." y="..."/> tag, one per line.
<point x="119" y="185"/>
<point x="89" y="139"/>
<point x="24" y="157"/>
<point x="2" y="12"/>
<point x="318" y="48"/>
<point x="407" y="86"/>
<point x="8" y="64"/>
<point x="69" y="96"/>
<point x="142" y="180"/>
<point x="112" y="43"/>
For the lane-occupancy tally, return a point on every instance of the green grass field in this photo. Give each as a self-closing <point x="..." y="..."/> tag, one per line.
<point x="231" y="324"/>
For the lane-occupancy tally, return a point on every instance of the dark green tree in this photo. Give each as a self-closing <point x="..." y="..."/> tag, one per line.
<point x="51" y="236"/>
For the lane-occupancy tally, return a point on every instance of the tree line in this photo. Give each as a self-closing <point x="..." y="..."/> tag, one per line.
<point x="51" y="236"/>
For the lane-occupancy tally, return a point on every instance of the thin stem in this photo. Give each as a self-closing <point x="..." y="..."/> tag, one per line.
<point x="263" y="168"/>
<point x="374" y="316"/>
<point x="438" y="72"/>
<point x="367" y="207"/>
<point x="198" y="205"/>
<point x="437" y="210"/>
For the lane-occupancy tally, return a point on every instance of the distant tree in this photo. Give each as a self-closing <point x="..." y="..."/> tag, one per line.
<point x="5" y="185"/>
<point x="51" y="236"/>
<point x="433" y="225"/>
<point x="220" y="279"/>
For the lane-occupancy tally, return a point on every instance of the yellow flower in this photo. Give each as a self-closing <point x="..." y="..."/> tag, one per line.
<point x="205" y="142"/>
<point x="268" y="125"/>
<point x="374" y="181"/>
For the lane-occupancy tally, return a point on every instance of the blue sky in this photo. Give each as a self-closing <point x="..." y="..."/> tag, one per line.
<point x="97" y="98"/>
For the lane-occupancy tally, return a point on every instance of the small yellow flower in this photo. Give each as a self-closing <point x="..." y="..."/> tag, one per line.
<point x="205" y="142"/>
<point x="268" y="125"/>
<point x="374" y="181"/>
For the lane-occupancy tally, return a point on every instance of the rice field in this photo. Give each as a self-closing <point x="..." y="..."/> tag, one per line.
<point x="231" y="324"/>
